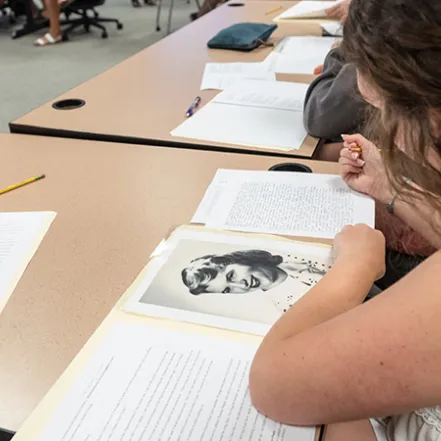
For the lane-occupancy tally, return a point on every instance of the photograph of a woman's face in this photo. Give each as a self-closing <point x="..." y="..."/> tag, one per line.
<point x="229" y="276"/>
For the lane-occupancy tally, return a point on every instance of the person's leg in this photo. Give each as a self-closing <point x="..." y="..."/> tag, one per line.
<point x="53" y="14"/>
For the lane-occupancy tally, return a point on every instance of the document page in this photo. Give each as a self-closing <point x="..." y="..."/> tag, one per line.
<point x="150" y="384"/>
<point x="279" y="95"/>
<point x="222" y="75"/>
<point x="296" y="204"/>
<point x="299" y="55"/>
<point x="306" y="9"/>
<point x="256" y="113"/>
<point x="20" y="236"/>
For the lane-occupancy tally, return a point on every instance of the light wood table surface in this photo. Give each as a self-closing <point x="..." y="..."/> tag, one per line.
<point x="145" y="97"/>
<point x="115" y="202"/>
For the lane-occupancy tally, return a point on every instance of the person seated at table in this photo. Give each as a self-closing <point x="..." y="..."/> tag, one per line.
<point x="332" y="103"/>
<point x="331" y="358"/>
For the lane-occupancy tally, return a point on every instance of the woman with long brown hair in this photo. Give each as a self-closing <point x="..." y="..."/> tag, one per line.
<point x="333" y="358"/>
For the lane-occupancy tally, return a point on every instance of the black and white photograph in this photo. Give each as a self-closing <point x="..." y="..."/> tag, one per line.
<point x="230" y="276"/>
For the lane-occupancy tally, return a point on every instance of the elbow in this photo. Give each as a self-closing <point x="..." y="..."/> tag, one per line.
<point x="273" y="399"/>
<point x="316" y="125"/>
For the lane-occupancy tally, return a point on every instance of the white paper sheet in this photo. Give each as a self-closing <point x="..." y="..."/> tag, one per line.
<point x="334" y="29"/>
<point x="277" y="95"/>
<point x="299" y="55"/>
<point x="296" y="204"/>
<point x="306" y="9"/>
<point x="149" y="384"/>
<point x="20" y="236"/>
<point x="254" y="113"/>
<point x="219" y="76"/>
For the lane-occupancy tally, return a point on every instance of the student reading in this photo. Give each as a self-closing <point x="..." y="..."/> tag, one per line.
<point x="331" y="358"/>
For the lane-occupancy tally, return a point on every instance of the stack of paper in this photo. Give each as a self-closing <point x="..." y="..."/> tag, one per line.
<point x="222" y="75"/>
<point x="265" y="114"/>
<point x="299" y="55"/>
<point x="20" y="236"/>
<point x="296" y="204"/>
<point x="306" y="9"/>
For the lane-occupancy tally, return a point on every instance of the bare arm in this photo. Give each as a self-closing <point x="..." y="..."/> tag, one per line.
<point x="331" y="359"/>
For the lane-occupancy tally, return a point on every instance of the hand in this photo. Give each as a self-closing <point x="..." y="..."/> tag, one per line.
<point x="318" y="69"/>
<point x="364" y="245"/>
<point x="339" y="10"/>
<point x="364" y="171"/>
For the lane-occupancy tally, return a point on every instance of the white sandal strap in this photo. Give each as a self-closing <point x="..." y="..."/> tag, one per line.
<point x="49" y="38"/>
<point x="39" y="42"/>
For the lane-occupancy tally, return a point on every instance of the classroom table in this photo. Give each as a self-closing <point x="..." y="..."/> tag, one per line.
<point x="115" y="202"/>
<point x="146" y="96"/>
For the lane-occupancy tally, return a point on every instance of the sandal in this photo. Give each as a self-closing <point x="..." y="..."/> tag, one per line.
<point x="47" y="39"/>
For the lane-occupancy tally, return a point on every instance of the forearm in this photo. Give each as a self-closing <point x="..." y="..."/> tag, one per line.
<point x="344" y="287"/>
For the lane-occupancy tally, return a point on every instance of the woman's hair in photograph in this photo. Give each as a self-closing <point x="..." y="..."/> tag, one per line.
<point x="396" y="47"/>
<point x="203" y="269"/>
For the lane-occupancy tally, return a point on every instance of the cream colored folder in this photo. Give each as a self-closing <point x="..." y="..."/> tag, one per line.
<point x="108" y="391"/>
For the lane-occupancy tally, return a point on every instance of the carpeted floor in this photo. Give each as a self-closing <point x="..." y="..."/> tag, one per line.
<point x="31" y="76"/>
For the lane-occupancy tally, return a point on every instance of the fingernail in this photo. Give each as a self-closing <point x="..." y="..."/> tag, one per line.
<point x="355" y="155"/>
<point x="360" y="162"/>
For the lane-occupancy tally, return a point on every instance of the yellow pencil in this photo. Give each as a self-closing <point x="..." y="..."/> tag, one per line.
<point x="273" y="10"/>
<point x="28" y="181"/>
<point x="358" y="149"/>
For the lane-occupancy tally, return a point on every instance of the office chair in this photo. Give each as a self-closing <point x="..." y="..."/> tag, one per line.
<point x="89" y="17"/>
<point x="11" y="9"/>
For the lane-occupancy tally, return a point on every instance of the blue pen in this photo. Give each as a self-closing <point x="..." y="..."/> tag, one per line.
<point x="194" y="105"/>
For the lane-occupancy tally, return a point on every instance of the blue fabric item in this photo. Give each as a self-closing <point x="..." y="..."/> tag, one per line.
<point x="242" y="36"/>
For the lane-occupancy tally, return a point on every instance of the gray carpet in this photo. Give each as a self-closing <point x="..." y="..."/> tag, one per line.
<point x="31" y="76"/>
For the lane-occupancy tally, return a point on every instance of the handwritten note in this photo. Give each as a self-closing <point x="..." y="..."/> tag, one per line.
<point x="296" y="204"/>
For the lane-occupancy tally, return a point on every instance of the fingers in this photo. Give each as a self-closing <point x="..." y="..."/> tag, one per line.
<point x="318" y="69"/>
<point x="349" y="157"/>
<point x="356" y="138"/>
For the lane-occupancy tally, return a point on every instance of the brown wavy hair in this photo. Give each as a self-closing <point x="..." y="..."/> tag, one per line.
<point x="396" y="48"/>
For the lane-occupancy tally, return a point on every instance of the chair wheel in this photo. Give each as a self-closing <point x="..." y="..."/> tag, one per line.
<point x="119" y="26"/>
<point x="158" y="29"/>
<point x="104" y="35"/>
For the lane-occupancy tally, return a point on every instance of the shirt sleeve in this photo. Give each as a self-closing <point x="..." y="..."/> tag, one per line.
<point x="333" y="104"/>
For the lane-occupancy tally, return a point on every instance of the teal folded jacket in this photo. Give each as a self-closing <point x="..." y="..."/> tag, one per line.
<point x="242" y="36"/>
